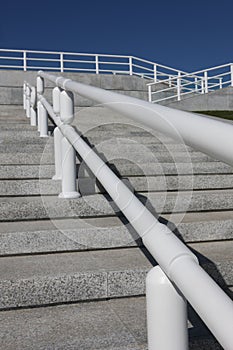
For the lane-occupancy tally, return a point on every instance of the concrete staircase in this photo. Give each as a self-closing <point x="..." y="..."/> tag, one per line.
<point x="72" y="273"/>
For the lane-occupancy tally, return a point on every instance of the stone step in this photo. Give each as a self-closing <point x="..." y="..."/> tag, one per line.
<point x="32" y="208"/>
<point x="122" y="167"/>
<point x="30" y="237"/>
<point x="70" y="277"/>
<point x="118" y="324"/>
<point x="45" y="156"/>
<point x="140" y="184"/>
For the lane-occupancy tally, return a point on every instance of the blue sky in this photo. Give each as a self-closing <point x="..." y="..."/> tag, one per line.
<point x="189" y="35"/>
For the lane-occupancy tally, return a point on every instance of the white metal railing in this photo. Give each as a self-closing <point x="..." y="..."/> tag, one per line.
<point x="85" y="62"/>
<point x="199" y="82"/>
<point x="179" y="276"/>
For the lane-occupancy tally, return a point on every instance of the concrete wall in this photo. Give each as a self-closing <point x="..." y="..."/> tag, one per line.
<point x="11" y="83"/>
<point x="217" y="100"/>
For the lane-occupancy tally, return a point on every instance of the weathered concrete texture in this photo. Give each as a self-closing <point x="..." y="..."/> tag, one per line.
<point x="26" y="171"/>
<point x="86" y="326"/>
<point x="12" y="82"/>
<point x="103" y="233"/>
<point x="39" y="280"/>
<point x="49" y="279"/>
<point x="216" y="100"/>
<point x="125" y="168"/>
<point x="75" y="239"/>
<point x="14" y="96"/>
<point x="105" y="81"/>
<point x="115" y="324"/>
<point x="88" y="186"/>
<point x="31" y="208"/>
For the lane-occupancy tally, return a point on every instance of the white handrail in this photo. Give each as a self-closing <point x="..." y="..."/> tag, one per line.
<point x="192" y="128"/>
<point x="192" y="80"/>
<point x="74" y="61"/>
<point x="175" y="259"/>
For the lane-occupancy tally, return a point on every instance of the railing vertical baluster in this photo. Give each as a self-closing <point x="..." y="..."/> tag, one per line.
<point x="33" y="113"/>
<point x="130" y="65"/>
<point x="61" y="62"/>
<point x="179" y="86"/>
<point x="149" y="93"/>
<point x="170" y="81"/>
<point x="206" y="81"/>
<point x="40" y="90"/>
<point x="69" y="187"/>
<point x="166" y="313"/>
<point x="97" y="64"/>
<point x="155" y="73"/>
<point x="202" y="85"/>
<point x="43" y="116"/>
<point x="57" y="136"/>
<point x="24" y="61"/>
<point x="24" y="96"/>
<point x="232" y="74"/>
<point x="28" y="93"/>
<point x="220" y="83"/>
<point x="196" y="84"/>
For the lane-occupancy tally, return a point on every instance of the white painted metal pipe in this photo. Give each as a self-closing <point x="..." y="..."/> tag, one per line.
<point x="66" y="107"/>
<point x="56" y="99"/>
<point x="28" y="93"/>
<point x="96" y="64"/>
<point x="231" y="74"/>
<point x="43" y="122"/>
<point x="57" y="135"/>
<point x="211" y="303"/>
<point x="205" y="134"/>
<point x="179" y="86"/>
<point x="130" y="65"/>
<point x="33" y="116"/>
<point x="24" y="95"/>
<point x="69" y="189"/>
<point x="171" y="254"/>
<point x="155" y="73"/>
<point x="206" y="82"/>
<point x="38" y="115"/>
<point x="167" y="326"/>
<point x="40" y="85"/>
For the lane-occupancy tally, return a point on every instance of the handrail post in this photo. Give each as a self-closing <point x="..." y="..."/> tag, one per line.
<point x="97" y="64"/>
<point x="61" y="62"/>
<point x="202" y="85"/>
<point x="155" y="73"/>
<point x="149" y="93"/>
<point x="232" y="74"/>
<point x="220" y="83"/>
<point x="24" y="61"/>
<point x="69" y="187"/>
<point x="130" y="65"/>
<point x="166" y="313"/>
<point x="170" y="81"/>
<point x="206" y="81"/>
<point x="179" y="86"/>
<point x="24" y="96"/>
<point x="28" y="94"/>
<point x="33" y="113"/>
<point x="43" y="117"/>
<point x="40" y="90"/>
<point x="57" y="136"/>
<point x="196" y="84"/>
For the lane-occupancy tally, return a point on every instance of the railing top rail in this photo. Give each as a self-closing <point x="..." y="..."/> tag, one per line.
<point x="176" y="260"/>
<point x="196" y="131"/>
<point x="195" y="74"/>
<point x="158" y="64"/>
<point x="65" y="53"/>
